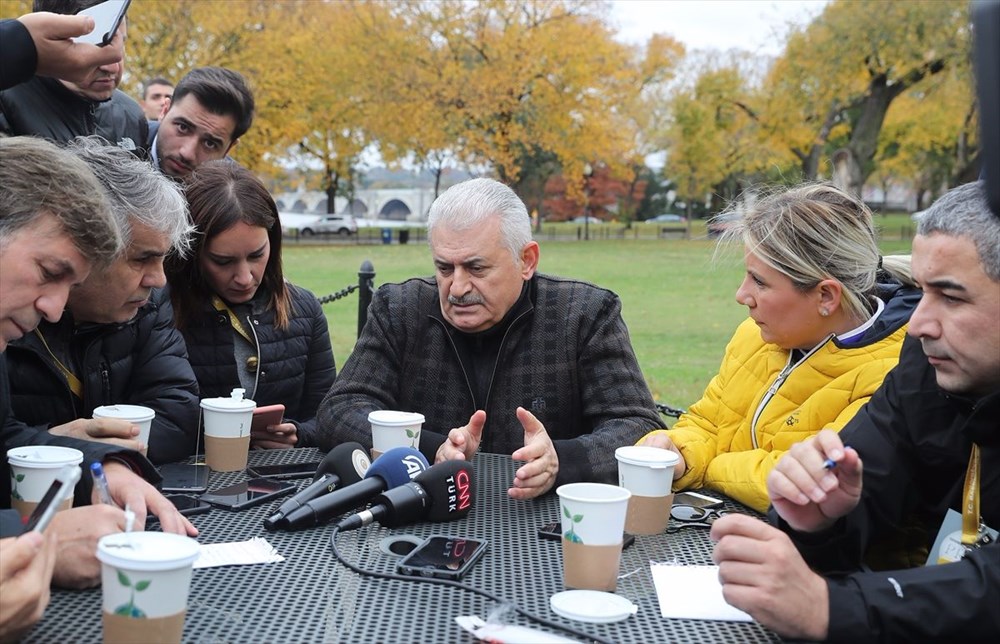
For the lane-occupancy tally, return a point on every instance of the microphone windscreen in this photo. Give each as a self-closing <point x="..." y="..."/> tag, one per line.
<point x="451" y="486"/>
<point x="397" y="466"/>
<point x="349" y="462"/>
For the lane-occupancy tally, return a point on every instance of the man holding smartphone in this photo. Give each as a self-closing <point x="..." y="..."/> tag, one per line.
<point x="60" y="110"/>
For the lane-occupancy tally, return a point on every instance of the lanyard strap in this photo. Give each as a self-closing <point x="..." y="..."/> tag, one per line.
<point x="75" y="385"/>
<point x="233" y="320"/>
<point x="970" y="502"/>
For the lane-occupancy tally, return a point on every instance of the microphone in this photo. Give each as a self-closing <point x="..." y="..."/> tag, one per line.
<point x="443" y="493"/>
<point x="394" y="468"/>
<point x="346" y="464"/>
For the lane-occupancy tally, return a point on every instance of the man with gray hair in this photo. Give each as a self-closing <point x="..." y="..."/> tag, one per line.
<point x="931" y="452"/>
<point x="54" y="227"/>
<point x="117" y="344"/>
<point x="496" y="356"/>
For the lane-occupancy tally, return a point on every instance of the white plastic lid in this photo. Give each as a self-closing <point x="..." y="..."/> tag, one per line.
<point x="235" y="402"/>
<point x="147" y="550"/>
<point x="44" y="456"/>
<point x="646" y="456"/>
<point x="592" y="606"/>
<point x="125" y="412"/>
<point x="395" y="418"/>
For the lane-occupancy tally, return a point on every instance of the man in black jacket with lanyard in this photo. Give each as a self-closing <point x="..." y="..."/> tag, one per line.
<point x="54" y="226"/>
<point x="116" y="343"/>
<point x="929" y="443"/>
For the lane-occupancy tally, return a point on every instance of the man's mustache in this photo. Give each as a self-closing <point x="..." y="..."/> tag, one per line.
<point x="466" y="300"/>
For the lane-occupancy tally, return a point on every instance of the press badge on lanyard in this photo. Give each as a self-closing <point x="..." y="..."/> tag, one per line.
<point x="952" y="543"/>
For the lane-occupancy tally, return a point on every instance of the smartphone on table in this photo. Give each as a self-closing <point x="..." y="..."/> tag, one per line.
<point x="553" y="532"/>
<point x="59" y="490"/>
<point x="697" y="499"/>
<point x="442" y="556"/>
<point x="248" y="493"/>
<point x="107" y="17"/>
<point x="188" y="505"/>
<point x="284" y="471"/>
<point x="184" y="478"/>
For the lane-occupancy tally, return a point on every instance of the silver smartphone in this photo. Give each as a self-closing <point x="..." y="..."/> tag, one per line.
<point x="60" y="490"/>
<point x="697" y="500"/>
<point x="107" y="17"/>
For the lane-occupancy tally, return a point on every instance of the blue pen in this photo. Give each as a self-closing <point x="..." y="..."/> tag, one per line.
<point x="829" y="463"/>
<point x="101" y="482"/>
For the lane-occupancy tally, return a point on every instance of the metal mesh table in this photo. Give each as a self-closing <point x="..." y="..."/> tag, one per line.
<point x="311" y="597"/>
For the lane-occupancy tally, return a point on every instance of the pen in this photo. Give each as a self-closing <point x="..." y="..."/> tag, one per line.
<point x="829" y="463"/>
<point x="101" y="482"/>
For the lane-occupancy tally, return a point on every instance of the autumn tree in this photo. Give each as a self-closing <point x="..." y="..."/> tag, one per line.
<point x="525" y="84"/>
<point x="711" y="134"/>
<point x="930" y="137"/>
<point x="846" y="68"/>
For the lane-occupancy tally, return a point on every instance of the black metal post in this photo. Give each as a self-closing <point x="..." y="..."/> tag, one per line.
<point x="366" y="287"/>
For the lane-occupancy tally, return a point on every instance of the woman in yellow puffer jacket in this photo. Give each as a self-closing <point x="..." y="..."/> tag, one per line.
<point x="822" y="334"/>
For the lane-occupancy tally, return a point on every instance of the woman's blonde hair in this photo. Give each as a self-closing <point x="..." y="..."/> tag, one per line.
<point x="815" y="232"/>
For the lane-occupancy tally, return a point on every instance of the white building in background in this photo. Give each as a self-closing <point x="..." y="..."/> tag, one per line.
<point x="384" y="205"/>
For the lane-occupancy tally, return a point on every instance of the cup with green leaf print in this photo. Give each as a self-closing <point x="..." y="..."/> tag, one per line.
<point x="32" y="470"/>
<point x="145" y="578"/>
<point x="593" y="520"/>
<point x="394" y="429"/>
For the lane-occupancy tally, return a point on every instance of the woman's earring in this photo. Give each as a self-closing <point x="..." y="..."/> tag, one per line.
<point x="824" y="312"/>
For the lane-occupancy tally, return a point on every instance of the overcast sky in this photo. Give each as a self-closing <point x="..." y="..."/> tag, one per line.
<point x="753" y="25"/>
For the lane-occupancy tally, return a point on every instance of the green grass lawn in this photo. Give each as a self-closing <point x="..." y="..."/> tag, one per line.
<point x="678" y="300"/>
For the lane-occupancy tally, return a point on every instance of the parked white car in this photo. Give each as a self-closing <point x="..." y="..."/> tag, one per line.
<point x="339" y="224"/>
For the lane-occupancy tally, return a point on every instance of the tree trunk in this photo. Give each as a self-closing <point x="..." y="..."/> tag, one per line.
<point x="860" y="150"/>
<point x="331" y="192"/>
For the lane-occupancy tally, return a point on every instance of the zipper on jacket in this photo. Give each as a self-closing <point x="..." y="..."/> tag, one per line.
<point x="468" y="383"/>
<point x="773" y="389"/>
<point x="496" y="363"/>
<point x="106" y="382"/>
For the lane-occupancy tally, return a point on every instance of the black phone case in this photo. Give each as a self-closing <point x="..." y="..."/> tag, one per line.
<point x="222" y="501"/>
<point x="404" y="568"/>
<point x="552" y="532"/>
<point x="308" y="472"/>
<point x="200" y="508"/>
<point x="184" y="478"/>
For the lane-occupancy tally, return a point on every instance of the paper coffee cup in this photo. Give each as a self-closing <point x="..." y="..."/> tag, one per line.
<point x="32" y="470"/>
<point x="648" y="473"/>
<point x="138" y="415"/>
<point x="145" y="579"/>
<point x="394" y="429"/>
<point x="593" y="519"/>
<point x="227" y="431"/>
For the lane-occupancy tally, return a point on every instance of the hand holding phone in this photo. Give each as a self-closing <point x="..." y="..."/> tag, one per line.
<point x="263" y="417"/>
<point x="60" y="490"/>
<point x="444" y="557"/>
<point x="108" y="17"/>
